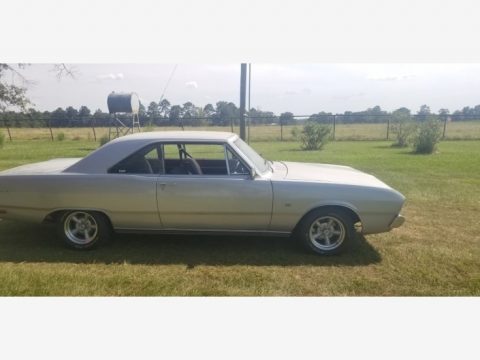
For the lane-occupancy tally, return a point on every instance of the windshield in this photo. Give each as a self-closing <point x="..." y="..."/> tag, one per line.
<point x="260" y="163"/>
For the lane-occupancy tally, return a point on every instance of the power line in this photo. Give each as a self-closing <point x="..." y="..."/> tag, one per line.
<point x="168" y="82"/>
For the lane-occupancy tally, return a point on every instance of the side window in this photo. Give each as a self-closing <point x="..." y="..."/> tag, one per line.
<point x="144" y="161"/>
<point x="206" y="151"/>
<point x="235" y="165"/>
<point x="194" y="159"/>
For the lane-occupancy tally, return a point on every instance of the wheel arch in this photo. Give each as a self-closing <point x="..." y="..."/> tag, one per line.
<point x="55" y="215"/>
<point x="348" y="209"/>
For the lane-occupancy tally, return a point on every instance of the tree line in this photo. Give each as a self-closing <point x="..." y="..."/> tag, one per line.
<point x="223" y="113"/>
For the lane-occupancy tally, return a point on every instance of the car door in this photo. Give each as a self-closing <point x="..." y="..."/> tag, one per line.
<point x="216" y="199"/>
<point x="128" y="192"/>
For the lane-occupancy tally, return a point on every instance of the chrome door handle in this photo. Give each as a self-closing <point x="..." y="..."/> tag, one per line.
<point x="162" y="185"/>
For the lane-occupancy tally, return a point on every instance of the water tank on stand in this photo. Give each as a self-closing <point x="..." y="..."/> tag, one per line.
<point x="123" y="103"/>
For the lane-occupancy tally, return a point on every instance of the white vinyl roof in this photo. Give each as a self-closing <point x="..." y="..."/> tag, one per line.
<point x="99" y="161"/>
<point x="178" y="135"/>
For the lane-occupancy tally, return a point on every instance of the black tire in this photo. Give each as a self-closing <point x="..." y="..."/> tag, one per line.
<point x="319" y="225"/>
<point x="83" y="230"/>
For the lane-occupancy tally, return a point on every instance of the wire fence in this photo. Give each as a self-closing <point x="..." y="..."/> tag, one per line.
<point x="343" y="127"/>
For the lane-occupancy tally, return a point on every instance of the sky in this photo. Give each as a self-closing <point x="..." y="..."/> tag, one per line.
<point x="300" y="88"/>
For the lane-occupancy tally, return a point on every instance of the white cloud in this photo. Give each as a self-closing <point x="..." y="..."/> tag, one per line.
<point x="390" y="77"/>
<point x="191" y="85"/>
<point x="110" y="76"/>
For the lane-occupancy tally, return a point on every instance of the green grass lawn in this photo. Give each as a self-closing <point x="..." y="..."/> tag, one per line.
<point x="436" y="252"/>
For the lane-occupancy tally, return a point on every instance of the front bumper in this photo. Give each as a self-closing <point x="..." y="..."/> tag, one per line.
<point x="397" y="222"/>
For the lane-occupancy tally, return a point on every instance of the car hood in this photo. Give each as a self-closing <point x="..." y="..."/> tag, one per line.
<point x="325" y="173"/>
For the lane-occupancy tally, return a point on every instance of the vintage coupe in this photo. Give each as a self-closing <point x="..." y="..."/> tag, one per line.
<point x="197" y="182"/>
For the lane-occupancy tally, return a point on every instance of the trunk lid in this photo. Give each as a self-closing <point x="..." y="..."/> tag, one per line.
<point x="53" y="166"/>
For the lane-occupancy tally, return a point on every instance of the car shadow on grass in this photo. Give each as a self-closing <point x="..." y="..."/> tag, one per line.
<point x="20" y="243"/>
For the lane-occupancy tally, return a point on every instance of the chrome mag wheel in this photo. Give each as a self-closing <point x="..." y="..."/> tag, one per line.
<point x="327" y="233"/>
<point x="80" y="227"/>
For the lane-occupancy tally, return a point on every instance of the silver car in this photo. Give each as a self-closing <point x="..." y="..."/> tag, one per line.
<point x="197" y="182"/>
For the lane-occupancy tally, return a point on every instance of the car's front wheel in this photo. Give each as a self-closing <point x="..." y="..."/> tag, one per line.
<point x="326" y="231"/>
<point x="83" y="229"/>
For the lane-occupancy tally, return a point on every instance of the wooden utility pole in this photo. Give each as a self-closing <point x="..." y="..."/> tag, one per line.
<point x="243" y="93"/>
<point x="249" y="91"/>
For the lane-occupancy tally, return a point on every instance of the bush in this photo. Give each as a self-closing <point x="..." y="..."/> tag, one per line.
<point x="60" y="136"/>
<point x="295" y="133"/>
<point x="103" y="140"/>
<point x="427" y="137"/>
<point x="2" y="139"/>
<point x="76" y="138"/>
<point x="314" y="136"/>
<point x="403" y="128"/>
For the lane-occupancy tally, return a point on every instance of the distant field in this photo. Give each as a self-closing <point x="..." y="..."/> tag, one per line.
<point x="465" y="130"/>
<point x="436" y="252"/>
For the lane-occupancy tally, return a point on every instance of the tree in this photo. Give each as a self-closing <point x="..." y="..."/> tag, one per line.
<point x="403" y="111"/>
<point x="152" y="112"/>
<point x="314" y="136"/>
<point x="225" y="113"/>
<point x="201" y="117"/>
<point x="98" y="114"/>
<point x="428" y="136"/>
<point x="209" y="110"/>
<point x="175" y="115"/>
<point x="58" y="117"/>
<point x="257" y="116"/>
<point x="100" y="117"/>
<point x="322" y="117"/>
<point x="164" y="108"/>
<point x="424" y="113"/>
<point x="188" y="110"/>
<point x="84" y="113"/>
<point x="12" y="95"/>
<point x="286" y="118"/>
<point x="402" y="127"/>
<point x="72" y="114"/>
<point x="35" y="117"/>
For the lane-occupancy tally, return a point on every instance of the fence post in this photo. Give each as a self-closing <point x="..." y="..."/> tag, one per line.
<point x="7" y="125"/>
<point x="388" y="128"/>
<point x="334" y="125"/>
<point x="94" y="132"/>
<point x="231" y="124"/>
<point x="50" y="127"/>
<point x="281" y="130"/>
<point x="444" y="127"/>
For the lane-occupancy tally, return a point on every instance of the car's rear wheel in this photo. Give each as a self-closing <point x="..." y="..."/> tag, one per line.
<point x="326" y="231"/>
<point x="83" y="229"/>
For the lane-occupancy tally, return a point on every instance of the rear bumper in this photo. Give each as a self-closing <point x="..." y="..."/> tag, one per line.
<point x="397" y="222"/>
